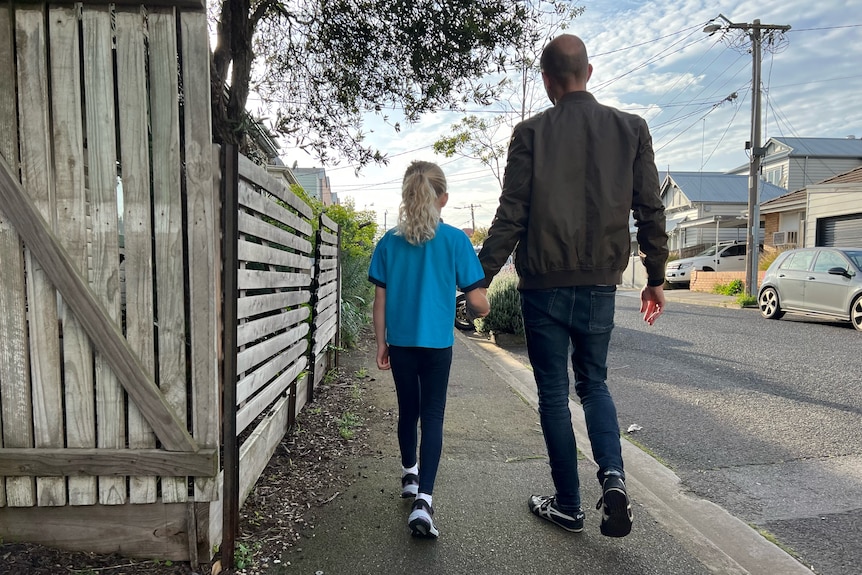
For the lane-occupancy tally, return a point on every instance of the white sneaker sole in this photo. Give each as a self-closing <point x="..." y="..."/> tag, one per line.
<point x="421" y="524"/>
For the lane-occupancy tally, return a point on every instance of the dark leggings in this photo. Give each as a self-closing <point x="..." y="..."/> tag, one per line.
<point x="421" y="378"/>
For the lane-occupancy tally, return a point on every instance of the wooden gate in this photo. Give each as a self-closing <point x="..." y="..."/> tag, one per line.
<point x="109" y="291"/>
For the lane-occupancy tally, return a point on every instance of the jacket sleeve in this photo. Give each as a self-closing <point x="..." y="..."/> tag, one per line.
<point x="510" y="221"/>
<point x="648" y="210"/>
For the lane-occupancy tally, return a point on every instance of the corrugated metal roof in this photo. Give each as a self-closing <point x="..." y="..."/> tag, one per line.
<point x="718" y="188"/>
<point x="854" y="176"/>
<point x="823" y="147"/>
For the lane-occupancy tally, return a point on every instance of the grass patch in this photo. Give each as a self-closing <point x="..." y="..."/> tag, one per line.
<point x="347" y="424"/>
<point x="774" y="540"/>
<point x="244" y="555"/>
<point x="746" y="300"/>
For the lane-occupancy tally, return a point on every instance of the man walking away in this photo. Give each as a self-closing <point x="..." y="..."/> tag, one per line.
<point x="574" y="174"/>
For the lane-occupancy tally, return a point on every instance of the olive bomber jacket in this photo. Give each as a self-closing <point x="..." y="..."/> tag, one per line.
<point x="574" y="174"/>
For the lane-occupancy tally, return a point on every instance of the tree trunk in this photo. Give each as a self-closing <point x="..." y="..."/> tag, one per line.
<point x="233" y="46"/>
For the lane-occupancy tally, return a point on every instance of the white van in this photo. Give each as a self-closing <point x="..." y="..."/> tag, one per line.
<point x="725" y="257"/>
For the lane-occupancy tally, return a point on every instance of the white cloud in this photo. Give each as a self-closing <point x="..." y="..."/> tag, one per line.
<point x="811" y="89"/>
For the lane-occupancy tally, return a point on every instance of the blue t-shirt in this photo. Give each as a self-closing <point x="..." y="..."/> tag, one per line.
<point x="420" y="283"/>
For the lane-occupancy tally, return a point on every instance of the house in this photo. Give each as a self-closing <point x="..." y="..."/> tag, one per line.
<point x="834" y="212"/>
<point x="784" y="220"/>
<point x="828" y="213"/>
<point x="703" y="208"/>
<point x="795" y="163"/>
<point x="282" y="173"/>
<point x="316" y="183"/>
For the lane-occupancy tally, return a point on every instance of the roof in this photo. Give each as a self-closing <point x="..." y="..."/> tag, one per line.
<point x="852" y="177"/>
<point x="822" y="147"/>
<point x="719" y="188"/>
<point x="787" y="200"/>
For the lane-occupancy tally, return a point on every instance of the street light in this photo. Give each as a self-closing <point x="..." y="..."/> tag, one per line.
<point x="754" y="31"/>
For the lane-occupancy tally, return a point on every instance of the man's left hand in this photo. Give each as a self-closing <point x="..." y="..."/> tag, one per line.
<point x="652" y="303"/>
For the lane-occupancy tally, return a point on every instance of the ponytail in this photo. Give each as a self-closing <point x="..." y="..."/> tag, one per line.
<point x="418" y="214"/>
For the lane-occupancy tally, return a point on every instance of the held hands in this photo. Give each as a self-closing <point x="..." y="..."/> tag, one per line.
<point x="477" y="303"/>
<point x="652" y="303"/>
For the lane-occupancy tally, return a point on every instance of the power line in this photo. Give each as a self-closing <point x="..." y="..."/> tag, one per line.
<point x="714" y="107"/>
<point x="651" y="60"/>
<point x="825" y="28"/>
<point x="721" y="139"/>
<point x="696" y="26"/>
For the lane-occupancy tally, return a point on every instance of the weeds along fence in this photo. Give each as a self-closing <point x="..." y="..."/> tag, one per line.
<point x="117" y="397"/>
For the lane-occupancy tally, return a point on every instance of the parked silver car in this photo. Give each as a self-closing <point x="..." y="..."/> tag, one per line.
<point x="818" y="281"/>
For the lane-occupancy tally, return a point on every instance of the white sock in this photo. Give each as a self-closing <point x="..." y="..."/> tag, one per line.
<point x="424" y="496"/>
<point x="414" y="470"/>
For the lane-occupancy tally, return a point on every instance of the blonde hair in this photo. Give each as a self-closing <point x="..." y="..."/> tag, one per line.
<point x="418" y="214"/>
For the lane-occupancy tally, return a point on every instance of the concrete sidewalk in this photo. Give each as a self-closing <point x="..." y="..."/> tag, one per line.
<point x="493" y="459"/>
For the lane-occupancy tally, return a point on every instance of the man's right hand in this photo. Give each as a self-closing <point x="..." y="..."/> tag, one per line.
<point x="652" y="303"/>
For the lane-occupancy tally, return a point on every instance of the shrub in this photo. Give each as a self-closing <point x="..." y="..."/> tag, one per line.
<point x="357" y="294"/>
<point x="746" y="300"/>
<point x="735" y="287"/>
<point x="767" y="257"/>
<point x="505" y="315"/>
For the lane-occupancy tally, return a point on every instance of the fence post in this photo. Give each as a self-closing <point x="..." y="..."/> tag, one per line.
<point x="230" y="211"/>
<point x="338" y="300"/>
<point x="315" y="298"/>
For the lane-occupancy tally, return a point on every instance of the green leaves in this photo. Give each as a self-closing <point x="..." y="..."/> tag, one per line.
<point x="328" y="62"/>
<point x="505" y="315"/>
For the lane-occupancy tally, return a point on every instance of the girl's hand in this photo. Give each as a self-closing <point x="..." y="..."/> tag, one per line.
<point x="383" y="357"/>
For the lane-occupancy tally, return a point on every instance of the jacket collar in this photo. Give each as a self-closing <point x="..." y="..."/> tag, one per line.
<point x="580" y="96"/>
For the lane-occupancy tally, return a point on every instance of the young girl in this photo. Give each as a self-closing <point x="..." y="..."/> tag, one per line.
<point x="416" y="267"/>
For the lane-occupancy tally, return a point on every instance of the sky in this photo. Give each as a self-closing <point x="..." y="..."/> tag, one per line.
<point x="653" y="59"/>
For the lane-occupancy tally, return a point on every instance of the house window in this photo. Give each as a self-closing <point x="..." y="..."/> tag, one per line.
<point x="775" y="176"/>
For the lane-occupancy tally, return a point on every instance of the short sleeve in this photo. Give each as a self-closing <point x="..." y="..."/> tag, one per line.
<point x="469" y="274"/>
<point x="377" y="269"/>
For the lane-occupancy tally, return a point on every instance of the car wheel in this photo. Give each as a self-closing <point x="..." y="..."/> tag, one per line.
<point x="856" y="313"/>
<point x="768" y="303"/>
<point x="462" y="320"/>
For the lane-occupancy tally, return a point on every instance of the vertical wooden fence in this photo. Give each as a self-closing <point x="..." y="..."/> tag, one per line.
<point x="109" y="390"/>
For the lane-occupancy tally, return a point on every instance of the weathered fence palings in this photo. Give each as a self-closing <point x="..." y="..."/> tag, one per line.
<point x="84" y="158"/>
<point x="81" y="234"/>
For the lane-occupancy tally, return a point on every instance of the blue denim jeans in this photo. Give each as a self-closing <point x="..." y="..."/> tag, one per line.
<point x="582" y="316"/>
<point x="421" y="377"/>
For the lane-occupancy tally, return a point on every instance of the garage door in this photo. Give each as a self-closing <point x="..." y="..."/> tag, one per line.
<point x="841" y="231"/>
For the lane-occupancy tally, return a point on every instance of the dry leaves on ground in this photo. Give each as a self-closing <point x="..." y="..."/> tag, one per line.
<point x="307" y="470"/>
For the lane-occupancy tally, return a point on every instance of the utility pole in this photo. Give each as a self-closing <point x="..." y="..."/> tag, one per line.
<point x="472" y="213"/>
<point x="755" y="31"/>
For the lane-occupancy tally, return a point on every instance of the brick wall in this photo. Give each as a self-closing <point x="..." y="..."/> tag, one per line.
<point x="705" y="281"/>
<point x="770" y="227"/>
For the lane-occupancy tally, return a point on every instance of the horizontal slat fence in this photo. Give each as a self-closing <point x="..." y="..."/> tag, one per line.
<point x="274" y="253"/>
<point x="327" y="299"/>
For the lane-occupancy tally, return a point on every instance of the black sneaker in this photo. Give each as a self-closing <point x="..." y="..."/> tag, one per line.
<point x="545" y="506"/>
<point x="420" y="522"/>
<point x="409" y="485"/>
<point x="616" y="508"/>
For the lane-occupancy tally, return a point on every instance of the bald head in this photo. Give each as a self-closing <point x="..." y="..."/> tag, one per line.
<point x="565" y="66"/>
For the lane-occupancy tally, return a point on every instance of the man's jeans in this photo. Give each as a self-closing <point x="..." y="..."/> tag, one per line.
<point x="584" y="316"/>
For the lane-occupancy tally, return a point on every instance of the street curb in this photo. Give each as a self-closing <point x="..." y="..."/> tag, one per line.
<point x="722" y="542"/>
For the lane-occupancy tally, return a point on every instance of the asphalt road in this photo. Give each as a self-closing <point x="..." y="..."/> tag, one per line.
<point x="762" y="417"/>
